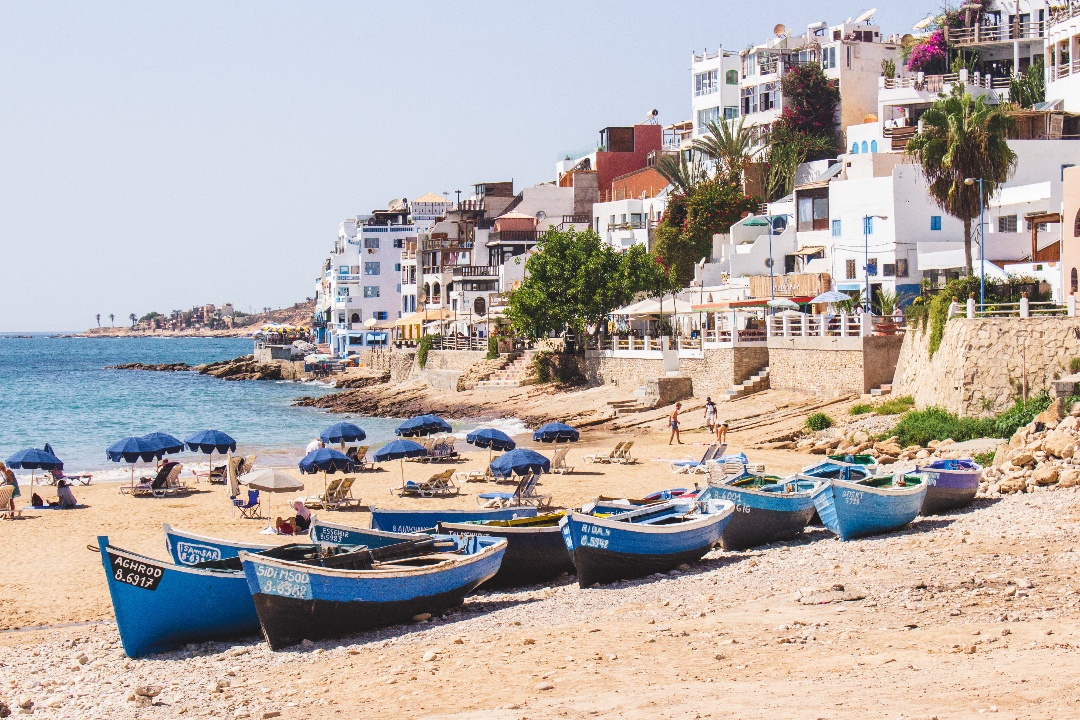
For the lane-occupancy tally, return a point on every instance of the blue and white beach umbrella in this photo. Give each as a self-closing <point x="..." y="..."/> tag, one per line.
<point x="423" y="425"/>
<point x="556" y="432"/>
<point x="326" y="460"/>
<point x="400" y="450"/>
<point x="519" y="462"/>
<point x="33" y="459"/>
<point x="165" y="442"/>
<point x="132" y="450"/>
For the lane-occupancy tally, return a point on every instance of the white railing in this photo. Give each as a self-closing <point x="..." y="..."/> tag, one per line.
<point x="1023" y="309"/>
<point x="843" y="325"/>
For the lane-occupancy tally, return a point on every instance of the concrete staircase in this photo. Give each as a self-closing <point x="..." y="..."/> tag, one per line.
<point x="757" y="382"/>
<point x="883" y="390"/>
<point x="515" y="374"/>
<point x="635" y="404"/>
<point x="481" y="371"/>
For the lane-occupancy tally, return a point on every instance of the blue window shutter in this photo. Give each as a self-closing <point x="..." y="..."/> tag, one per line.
<point x="836" y="228"/>
<point x="873" y="146"/>
<point x="935" y="222"/>
<point x="868" y="225"/>
<point x="854" y="148"/>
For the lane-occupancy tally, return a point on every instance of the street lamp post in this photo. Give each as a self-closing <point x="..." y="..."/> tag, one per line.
<point x="982" y="241"/>
<point x="867" y="220"/>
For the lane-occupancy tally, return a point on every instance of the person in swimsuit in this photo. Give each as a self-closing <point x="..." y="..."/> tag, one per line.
<point x="673" y="422"/>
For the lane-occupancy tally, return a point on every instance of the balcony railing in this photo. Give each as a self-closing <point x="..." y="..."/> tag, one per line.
<point x="1065" y="13"/>
<point x="979" y="33"/>
<point x="635" y="225"/>
<point x="1057" y="72"/>
<point x="456" y="244"/>
<point x="515" y="236"/>
<point x="476" y="271"/>
<point x="834" y="325"/>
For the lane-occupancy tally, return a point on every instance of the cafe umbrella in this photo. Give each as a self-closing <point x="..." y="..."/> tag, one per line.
<point x="33" y="459"/>
<point x="342" y="432"/>
<point x="423" y="425"/>
<point x="399" y="450"/>
<point x="165" y="442"/>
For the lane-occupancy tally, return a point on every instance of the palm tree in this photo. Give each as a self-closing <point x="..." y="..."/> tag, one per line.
<point x="728" y="146"/>
<point x="111" y="319"/>
<point x="99" y="319"/>
<point x="133" y="318"/>
<point x="682" y="174"/>
<point x="961" y="138"/>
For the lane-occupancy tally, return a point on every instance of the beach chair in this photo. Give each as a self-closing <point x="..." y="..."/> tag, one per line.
<point x="505" y="499"/>
<point x="146" y="485"/>
<point x="248" y="465"/>
<point x="171" y="484"/>
<point x="623" y="456"/>
<point x="361" y="458"/>
<point x="343" y="497"/>
<point x="315" y="502"/>
<point x="429" y="488"/>
<point x="81" y="478"/>
<point x="6" y="493"/>
<point x="558" y="462"/>
<point x="604" y="457"/>
<point x="249" y="509"/>
<point x="529" y="496"/>
<point x="721" y="473"/>
<point x="474" y="476"/>
<point x="687" y="466"/>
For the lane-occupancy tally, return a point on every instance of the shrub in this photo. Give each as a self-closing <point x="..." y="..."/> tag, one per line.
<point x="1074" y="366"/>
<point x="493" y="348"/>
<point x="896" y="406"/>
<point x="923" y="426"/>
<point x="861" y="409"/>
<point x="1020" y="414"/>
<point x="422" y="349"/>
<point x="985" y="459"/>
<point x="818" y="421"/>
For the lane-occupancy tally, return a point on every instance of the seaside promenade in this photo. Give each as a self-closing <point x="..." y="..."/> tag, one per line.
<point x="974" y="612"/>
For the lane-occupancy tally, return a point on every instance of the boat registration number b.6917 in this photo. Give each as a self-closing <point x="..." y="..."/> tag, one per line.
<point x="283" y="582"/>
<point x="135" y="572"/>
<point x="852" y="497"/>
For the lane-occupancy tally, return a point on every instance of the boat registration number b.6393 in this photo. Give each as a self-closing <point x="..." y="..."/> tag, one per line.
<point x="283" y="582"/>
<point x="135" y="572"/>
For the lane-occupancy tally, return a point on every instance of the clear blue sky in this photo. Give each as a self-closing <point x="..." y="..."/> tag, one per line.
<point x="158" y="155"/>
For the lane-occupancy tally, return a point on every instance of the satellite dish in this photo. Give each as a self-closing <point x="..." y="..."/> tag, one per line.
<point x="541" y="215"/>
<point x="768" y="262"/>
<point x="779" y="30"/>
<point x="865" y="17"/>
<point x="908" y="40"/>
<point x="924" y="23"/>
<point x="655" y="112"/>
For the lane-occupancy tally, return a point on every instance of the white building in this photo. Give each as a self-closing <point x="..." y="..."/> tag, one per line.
<point x="1063" y="58"/>
<point x="625" y="223"/>
<point x="714" y="89"/>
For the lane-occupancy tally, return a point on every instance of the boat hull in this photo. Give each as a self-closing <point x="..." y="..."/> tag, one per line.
<point x="413" y="521"/>
<point x="188" y="548"/>
<point x="949" y="489"/>
<point x="160" y="606"/>
<point x="761" y="518"/>
<point x="295" y="602"/>
<point x="605" y="550"/>
<point x="533" y="554"/>
<point x="850" y="510"/>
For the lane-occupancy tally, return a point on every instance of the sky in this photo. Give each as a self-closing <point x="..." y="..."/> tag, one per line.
<point x="157" y="156"/>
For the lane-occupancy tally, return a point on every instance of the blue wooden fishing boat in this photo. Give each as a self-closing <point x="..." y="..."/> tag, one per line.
<point x="412" y="521"/>
<point x="188" y="548"/>
<point x="767" y="509"/>
<point x="162" y="606"/>
<point x="654" y="538"/>
<point x="327" y="533"/>
<point x="870" y="506"/>
<point x="836" y="470"/>
<point x="369" y="588"/>
<point x="535" y="551"/>
<point x="950" y="484"/>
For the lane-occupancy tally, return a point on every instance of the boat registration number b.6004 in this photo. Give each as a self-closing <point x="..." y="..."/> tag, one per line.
<point x="135" y="572"/>
<point x="852" y="497"/>
<point x="283" y="582"/>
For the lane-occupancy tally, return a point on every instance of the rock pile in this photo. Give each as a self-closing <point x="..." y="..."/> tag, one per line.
<point x="1042" y="455"/>
<point x="837" y="441"/>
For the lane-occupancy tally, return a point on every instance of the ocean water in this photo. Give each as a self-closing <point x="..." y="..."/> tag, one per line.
<point x="57" y="390"/>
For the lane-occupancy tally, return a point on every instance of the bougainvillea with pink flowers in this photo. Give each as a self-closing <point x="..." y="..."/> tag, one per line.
<point x="929" y="54"/>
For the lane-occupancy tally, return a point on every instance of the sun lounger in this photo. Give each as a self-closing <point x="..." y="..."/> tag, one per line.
<point x="623" y="456"/>
<point x="6" y="492"/>
<point x="249" y="508"/>
<point x="699" y="466"/>
<point x="320" y="501"/>
<point x="604" y="457"/>
<point x="558" y="462"/>
<point x="504" y="499"/>
<point x="475" y="476"/>
<point x="438" y="485"/>
<point x="343" y="497"/>
<point x="81" y="478"/>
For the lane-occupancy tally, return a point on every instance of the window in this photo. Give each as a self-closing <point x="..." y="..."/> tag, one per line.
<point x="836" y="228"/>
<point x="1007" y="224"/>
<point x="902" y="268"/>
<point x="371" y="291"/>
<point x="355" y="318"/>
<point x="399" y="242"/>
<point x="813" y="210"/>
<point x="854" y="148"/>
<point x="864" y="148"/>
<point x="371" y="242"/>
<point x="749" y="100"/>
<point x="828" y="58"/>
<point x="871" y="266"/>
<point x="873" y="146"/>
<point x="1073" y="281"/>
<point x="731" y="112"/>
<point x="708" y="115"/>
<point x="397" y="267"/>
<point x="372" y="268"/>
<point x="888" y="270"/>
<point x="381" y="315"/>
<point x="732" y="77"/>
<point x="935" y="222"/>
<point x="868" y="225"/>
<point x="343" y="270"/>
<point x="849" y="269"/>
<point x="1043" y="227"/>
<point x="768" y="96"/>
<point x="1076" y="225"/>
<point x="705" y="83"/>
<point x="848" y="48"/>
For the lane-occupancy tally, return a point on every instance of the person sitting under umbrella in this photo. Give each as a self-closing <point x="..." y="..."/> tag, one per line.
<point x="298" y="524"/>
<point x="65" y="499"/>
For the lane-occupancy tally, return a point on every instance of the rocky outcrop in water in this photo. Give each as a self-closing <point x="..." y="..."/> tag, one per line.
<point x="241" y="368"/>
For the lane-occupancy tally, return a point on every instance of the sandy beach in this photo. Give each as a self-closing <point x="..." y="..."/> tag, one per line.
<point x="955" y="616"/>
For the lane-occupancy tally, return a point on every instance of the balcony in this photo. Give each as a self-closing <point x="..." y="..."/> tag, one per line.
<point x="474" y="271"/>
<point x="980" y="34"/>
<point x="515" y="236"/>
<point x="1064" y="70"/>
<point x="636" y="225"/>
<point x="447" y="244"/>
<point x="1064" y="14"/>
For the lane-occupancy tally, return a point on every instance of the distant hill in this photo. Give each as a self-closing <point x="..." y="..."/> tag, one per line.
<point x="243" y="325"/>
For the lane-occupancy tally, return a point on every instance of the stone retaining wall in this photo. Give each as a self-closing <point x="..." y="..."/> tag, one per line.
<point x="624" y="372"/>
<point x="830" y="366"/>
<point x="718" y="370"/>
<point x="980" y="368"/>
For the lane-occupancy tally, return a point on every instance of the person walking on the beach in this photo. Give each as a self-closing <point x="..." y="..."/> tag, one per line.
<point x="710" y="413"/>
<point x="673" y="421"/>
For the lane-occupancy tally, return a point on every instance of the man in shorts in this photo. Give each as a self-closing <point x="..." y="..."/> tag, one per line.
<point x="673" y="422"/>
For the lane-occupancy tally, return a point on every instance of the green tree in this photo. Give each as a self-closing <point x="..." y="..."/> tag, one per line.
<point x="572" y="280"/>
<point x="684" y="175"/>
<point x="727" y="145"/>
<point x="963" y="138"/>
<point x="811" y="101"/>
<point x="1029" y="89"/>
